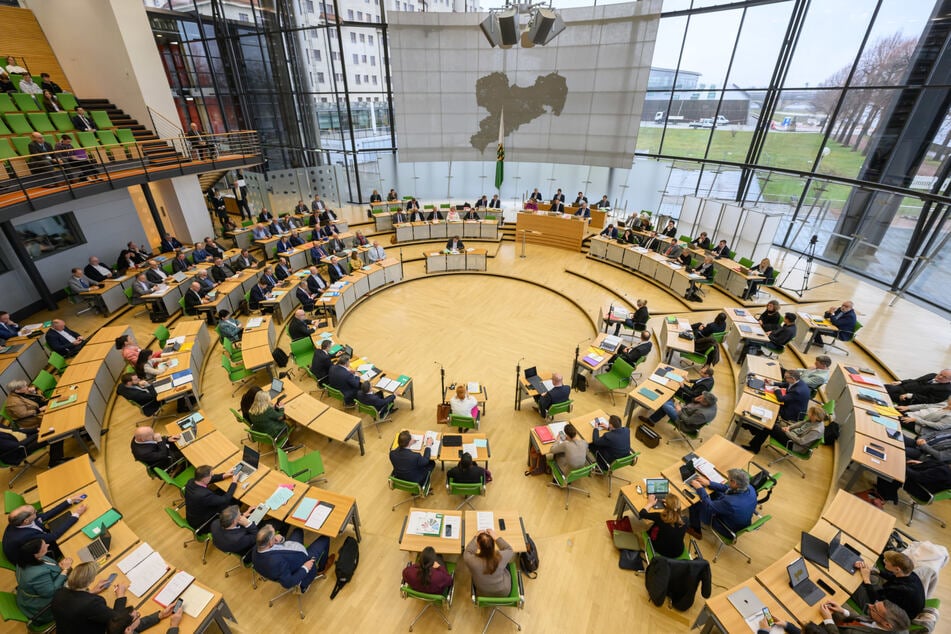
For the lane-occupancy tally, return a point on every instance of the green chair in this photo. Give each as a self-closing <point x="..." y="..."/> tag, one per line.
<point x="45" y="383"/>
<point x="61" y="121"/>
<point x="413" y="488"/>
<point x="788" y="452"/>
<point x="260" y="438"/>
<point x="306" y="469"/>
<point x="67" y="101"/>
<point x="336" y="394"/>
<point x="41" y="122"/>
<point x="238" y="417"/>
<point x="303" y="351"/>
<point x="706" y="282"/>
<point x="469" y="490"/>
<point x="463" y="423"/>
<point x="684" y="436"/>
<point x="57" y="362"/>
<point x="727" y="537"/>
<point x="6" y="563"/>
<point x="748" y="263"/>
<point x="233" y="353"/>
<point x="162" y="335"/>
<point x="181" y="303"/>
<point x="127" y="139"/>
<point x="719" y="336"/>
<point x="618" y="378"/>
<point x="836" y="346"/>
<point x="236" y="373"/>
<point x="178" y="482"/>
<point x="694" y="358"/>
<point x="515" y="599"/>
<point x="247" y="223"/>
<point x="440" y="601"/>
<point x="241" y="564"/>
<point x="626" y="461"/>
<point x="563" y="481"/>
<point x="111" y="144"/>
<point x="917" y="502"/>
<point x="7" y="104"/>
<point x="25" y="102"/>
<point x="649" y="552"/>
<point x="11" y="612"/>
<point x="101" y="119"/>
<point x="686" y="239"/>
<point x="13" y="500"/>
<point x="376" y="418"/>
<point x="200" y="538"/>
<point x="559" y="408"/>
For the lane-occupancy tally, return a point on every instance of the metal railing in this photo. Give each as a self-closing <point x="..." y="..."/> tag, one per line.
<point x="32" y="177"/>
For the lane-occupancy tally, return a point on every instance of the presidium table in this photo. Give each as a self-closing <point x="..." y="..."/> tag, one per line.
<point x="553" y="230"/>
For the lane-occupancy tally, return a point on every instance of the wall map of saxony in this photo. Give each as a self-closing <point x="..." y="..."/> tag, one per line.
<point x="522" y="105"/>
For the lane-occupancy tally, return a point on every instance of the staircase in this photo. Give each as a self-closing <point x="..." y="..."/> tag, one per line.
<point x="157" y="153"/>
<point x="209" y="179"/>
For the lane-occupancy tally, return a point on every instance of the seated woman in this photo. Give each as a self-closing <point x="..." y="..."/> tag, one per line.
<point x="25" y="405"/>
<point x="146" y="367"/>
<point x="703" y="337"/>
<point x="668" y="529"/>
<point x="79" y="606"/>
<point x="770" y="318"/>
<point x="462" y="404"/>
<point x="765" y="269"/>
<point x="130" y="349"/>
<point x="229" y="327"/>
<point x="38" y="578"/>
<point x="355" y="262"/>
<point x="428" y="574"/>
<point x="926" y="417"/>
<point x="266" y="418"/>
<point x="637" y="321"/>
<point x="487" y="558"/>
<point x="467" y="471"/>
<point x="629" y="237"/>
<point x="531" y="205"/>
<point x="798" y="436"/>
<point x="247" y="400"/>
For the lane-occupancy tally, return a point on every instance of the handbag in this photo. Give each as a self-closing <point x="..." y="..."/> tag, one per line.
<point x="631" y="560"/>
<point x="442" y="413"/>
<point x="647" y="436"/>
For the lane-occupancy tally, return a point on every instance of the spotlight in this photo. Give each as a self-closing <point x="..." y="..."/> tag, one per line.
<point x="508" y="26"/>
<point x="545" y="26"/>
<point x="490" y="28"/>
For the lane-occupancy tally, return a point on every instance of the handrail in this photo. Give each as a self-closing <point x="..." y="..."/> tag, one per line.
<point x="172" y="128"/>
<point x="36" y="175"/>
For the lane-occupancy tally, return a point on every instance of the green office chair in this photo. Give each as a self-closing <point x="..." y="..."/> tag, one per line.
<point x="413" y="488"/>
<point x="515" y="598"/>
<point x="197" y="537"/>
<point x="336" y="394"/>
<point x="376" y="419"/>
<point x="917" y="502"/>
<point x="308" y="468"/>
<point x="835" y="342"/>
<point x="440" y="601"/>
<point x="178" y="482"/>
<point x="131" y="301"/>
<point x="241" y="564"/>
<point x="705" y="282"/>
<point x="563" y="481"/>
<point x="10" y="611"/>
<point x="726" y="537"/>
<point x="470" y="491"/>
<point x="620" y="377"/>
<point x="233" y="353"/>
<point x="930" y="604"/>
<point x="13" y="500"/>
<point x="748" y="263"/>
<point x="260" y="438"/>
<point x="45" y="383"/>
<point x="5" y="563"/>
<point x="626" y="461"/>
<point x="67" y="101"/>
<point x="161" y="335"/>
<point x="564" y="407"/>
<point x="463" y="423"/>
<point x="788" y="452"/>
<point x="57" y="362"/>
<point x="685" y="436"/>
<point x="236" y="373"/>
<point x="695" y="359"/>
<point x="303" y="352"/>
<point x="650" y="553"/>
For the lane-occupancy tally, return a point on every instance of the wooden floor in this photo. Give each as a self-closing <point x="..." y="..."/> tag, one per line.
<point x="478" y="327"/>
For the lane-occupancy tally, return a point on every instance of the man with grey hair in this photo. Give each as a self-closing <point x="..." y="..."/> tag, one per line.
<point x="731" y="505"/>
<point x="288" y="561"/>
<point x="234" y="533"/>
<point x="793" y="396"/>
<point x="882" y="615"/>
<point x="342" y="378"/>
<point x="688" y="418"/>
<point x="816" y="376"/>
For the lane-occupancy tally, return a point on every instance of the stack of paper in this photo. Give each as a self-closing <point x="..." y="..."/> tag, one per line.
<point x="416" y="443"/>
<point x="434" y="436"/>
<point x="761" y="412"/>
<point x="254" y="322"/>
<point x="387" y="385"/>
<point x="424" y="523"/>
<point x="473" y="387"/>
<point x="175" y="586"/>
<point x="485" y="520"/>
<point x="194" y="600"/>
<point x="557" y="427"/>
<point x="144" y="567"/>
<point x="469" y="448"/>
<point x="708" y="470"/>
<point x="659" y="380"/>
<point x="548" y="385"/>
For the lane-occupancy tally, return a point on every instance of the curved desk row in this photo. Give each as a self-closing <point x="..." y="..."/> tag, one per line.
<point x="442" y="230"/>
<point x="650" y="264"/>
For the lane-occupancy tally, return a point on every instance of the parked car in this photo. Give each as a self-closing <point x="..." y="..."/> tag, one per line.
<point x="708" y="123"/>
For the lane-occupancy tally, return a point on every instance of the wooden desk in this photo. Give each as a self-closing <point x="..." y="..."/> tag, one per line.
<point x="775" y="579"/>
<point x="343" y="514"/>
<point x="665" y="391"/>
<point x="742" y="413"/>
<point x="216" y="611"/>
<point x="451" y="454"/>
<point x="891" y="467"/>
<point x="720" y="613"/>
<point x="67" y="478"/>
<point x="595" y="356"/>
<point x="213" y="449"/>
<point x="723" y="454"/>
<point x="304" y="409"/>
<point x="525" y="389"/>
<point x="847" y="580"/>
<point x="514" y="532"/>
<point x="122" y="540"/>
<point x="481" y="397"/>
<point x="443" y="545"/>
<point x="869" y="525"/>
<point x="264" y="487"/>
<point x="581" y="423"/>
<point x="340" y="426"/>
<point x="96" y="504"/>
<point x="670" y="341"/>
<point x="806" y="329"/>
<point x="557" y="231"/>
<point x="866" y="425"/>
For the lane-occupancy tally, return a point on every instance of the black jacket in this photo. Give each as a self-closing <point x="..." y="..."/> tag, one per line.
<point x="236" y="540"/>
<point x="156" y="454"/>
<point x="678" y="580"/>
<point x="14" y="537"/>
<point x="320" y="364"/>
<point x="81" y="612"/>
<point x="203" y="503"/>
<point x="298" y="329"/>
<point x="921" y="389"/>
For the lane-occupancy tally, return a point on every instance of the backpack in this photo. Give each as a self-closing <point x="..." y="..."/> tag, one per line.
<point x="831" y="433"/>
<point x="581" y="382"/>
<point x="347" y="559"/>
<point x="528" y="561"/>
<point x="280" y="357"/>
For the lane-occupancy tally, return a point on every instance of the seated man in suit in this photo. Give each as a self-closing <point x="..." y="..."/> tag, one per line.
<point x="199" y="255"/>
<point x="482" y="202"/>
<point x="898" y="583"/>
<point x="416" y="215"/>
<point x="495" y="203"/>
<point x="400" y="217"/>
<point x="702" y="241"/>
<point x="536" y="195"/>
<point x="244" y="261"/>
<point x="929" y="388"/>
<point x="322" y="361"/>
<point x="8" y="327"/>
<point x="63" y="340"/>
<point x="843" y="318"/>
<point x="305" y="298"/>
<point x="16" y="445"/>
<point x="559" y="393"/>
<point x="342" y="378"/>
<point x="284" y="244"/>
<point x="288" y="561"/>
<point x="334" y="244"/>
<point x="265" y="216"/>
<point x="614" y="444"/>
<point x="335" y="270"/>
<point x="299" y="326"/>
<point x="221" y="271"/>
<point x="141" y="286"/>
<point x="282" y="270"/>
<point x="609" y="232"/>
<point x="82" y="121"/>
<point x="732" y="504"/>
<point x="583" y="211"/>
<point x="96" y="271"/>
<point x="882" y="616"/>
<point x="193" y="298"/>
<point x="818" y="375"/>
<point x="155" y="273"/>
<point x="793" y="395"/>
<point x="41" y="158"/>
<point x="318" y="253"/>
<point x="258" y="294"/>
<point x="260" y="232"/>
<point x="151" y="449"/>
<point x="205" y="283"/>
<point x="180" y="264"/>
<point x="140" y="392"/>
<point x="434" y="215"/>
<point x="315" y="283"/>
<point x="410" y="465"/>
<point x="557" y="206"/>
<point x="25" y="523"/>
<point x="79" y="283"/>
<point x="471" y="214"/>
<point x="296" y="239"/>
<point x="703" y="383"/>
<point x="689" y="418"/>
<point x="672" y="251"/>
<point x="632" y="354"/>
<point x="203" y="503"/>
<point x="170" y="243"/>
<point x="455" y="244"/>
<point x="559" y="196"/>
<point x="376" y="252"/>
<point x="604" y="203"/>
<point x="213" y="249"/>
<point x="785" y="333"/>
<point x="275" y="228"/>
<point x="721" y="250"/>
<point x="233" y="532"/>
<point x="383" y="404"/>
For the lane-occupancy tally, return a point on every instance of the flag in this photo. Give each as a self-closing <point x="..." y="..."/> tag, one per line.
<point x="500" y="155"/>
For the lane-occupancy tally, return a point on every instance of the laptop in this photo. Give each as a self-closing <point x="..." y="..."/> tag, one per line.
<point x="801" y="584"/>
<point x="97" y="548"/>
<point x="162" y="386"/>
<point x="531" y="375"/>
<point x="748" y="605"/>
<point x="754" y="383"/>
<point x="277" y="386"/>
<point x="179" y="277"/>
<point x="658" y="487"/>
<point x="814" y="549"/>
<point x="688" y="472"/>
<point x="248" y="464"/>
<point x="843" y="554"/>
<point x="187" y="437"/>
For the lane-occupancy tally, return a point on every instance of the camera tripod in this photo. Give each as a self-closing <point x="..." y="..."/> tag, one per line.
<point x="810" y="255"/>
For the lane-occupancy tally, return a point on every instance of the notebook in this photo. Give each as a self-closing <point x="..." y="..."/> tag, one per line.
<point x="97" y="548"/>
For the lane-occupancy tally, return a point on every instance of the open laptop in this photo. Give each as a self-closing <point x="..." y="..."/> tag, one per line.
<point x="843" y="554"/>
<point x="814" y="549"/>
<point x="801" y="584"/>
<point x="248" y="464"/>
<point x="688" y="472"/>
<point x="658" y="487"/>
<point x="748" y="605"/>
<point x="277" y="386"/>
<point x="531" y="375"/>
<point x="97" y="548"/>
<point x="755" y="383"/>
<point x="189" y="427"/>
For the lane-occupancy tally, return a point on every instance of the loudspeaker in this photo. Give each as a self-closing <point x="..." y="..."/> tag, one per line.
<point x="490" y="28"/>
<point x="508" y="26"/>
<point x="546" y="25"/>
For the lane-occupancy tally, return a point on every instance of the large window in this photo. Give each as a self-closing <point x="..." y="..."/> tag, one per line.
<point x="43" y="238"/>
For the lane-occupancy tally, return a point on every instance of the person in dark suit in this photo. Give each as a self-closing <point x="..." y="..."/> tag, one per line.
<point x="467" y="471"/>
<point x="495" y="203"/>
<point x="721" y="250"/>
<point x="63" y="340"/>
<point x="795" y="400"/>
<point x="205" y="284"/>
<point x="732" y="504"/>
<point x="155" y="274"/>
<point x="282" y="270"/>
<point x="317" y="253"/>
<point x="416" y="215"/>
<point x="882" y="616"/>
<point x="928" y="388"/>
<point x="785" y="333"/>
<point x="83" y="122"/>
<point x="557" y="206"/>
<point x="193" y="298"/>
<point x="702" y="241"/>
<point x="79" y="607"/>
<point x="213" y="249"/>
<point x="41" y="160"/>
<point x="284" y="245"/>
<point x="233" y="532"/>
<point x="304" y="297"/>
<point x="335" y="244"/>
<point x="375" y="197"/>
<point x="140" y="392"/>
<point x="221" y="271"/>
<point x="315" y="283"/>
<point x="471" y="214"/>
<point x="244" y="261"/>
<point x="180" y="264"/>
<point x="581" y="198"/>
<point x="275" y="228"/>
<point x="296" y="240"/>
<point x="202" y="503"/>
<point x="614" y="444"/>
<point x="334" y="270"/>
<point x="366" y="395"/>
<point x="258" y="295"/>
<point x="341" y="378"/>
<point x="152" y="449"/>
<point x="434" y="215"/>
<point x="703" y="383"/>
<point x="559" y="393"/>
<point x="412" y="203"/>
<point x="631" y="354"/>
<point x="604" y="203"/>
<point x="536" y="195"/>
<point x="609" y="232"/>
<point x="8" y="327"/>
<point x="400" y="217"/>
<point x="170" y="243"/>
<point x="844" y="319"/>
<point x="299" y="326"/>
<point x="25" y="523"/>
<point x="218" y="205"/>
<point x="455" y="244"/>
<point x="288" y="561"/>
<point x="322" y="361"/>
<point x="482" y="202"/>
<point x="410" y="465"/>
<point x="96" y="271"/>
<point x="265" y="217"/>
<point x="560" y="197"/>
